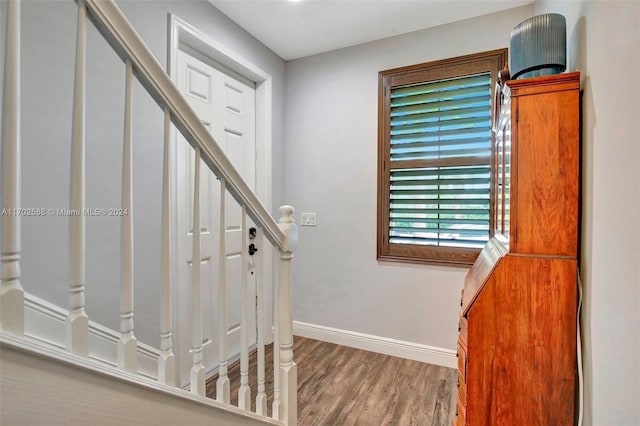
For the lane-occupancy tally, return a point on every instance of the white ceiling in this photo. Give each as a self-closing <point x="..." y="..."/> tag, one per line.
<point x="294" y="29"/>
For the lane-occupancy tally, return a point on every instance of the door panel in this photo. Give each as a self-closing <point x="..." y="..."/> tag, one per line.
<point x="227" y="108"/>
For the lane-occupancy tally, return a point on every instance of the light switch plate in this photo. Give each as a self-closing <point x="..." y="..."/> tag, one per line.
<point x="307" y="219"/>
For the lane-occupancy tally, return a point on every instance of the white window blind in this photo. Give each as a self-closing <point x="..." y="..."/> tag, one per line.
<point x="444" y="126"/>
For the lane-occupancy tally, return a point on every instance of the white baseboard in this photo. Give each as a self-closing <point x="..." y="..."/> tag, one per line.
<point x="382" y="345"/>
<point x="46" y="323"/>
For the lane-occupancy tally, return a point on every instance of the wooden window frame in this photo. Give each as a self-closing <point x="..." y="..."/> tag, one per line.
<point x="492" y="61"/>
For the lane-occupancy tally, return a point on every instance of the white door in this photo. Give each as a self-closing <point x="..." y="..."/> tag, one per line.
<point x="226" y="106"/>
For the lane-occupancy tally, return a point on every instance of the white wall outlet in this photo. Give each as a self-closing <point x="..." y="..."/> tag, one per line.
<point x="308" y="219"/>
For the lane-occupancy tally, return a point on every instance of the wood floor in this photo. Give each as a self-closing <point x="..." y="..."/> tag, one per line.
<point x="341" y="386"/>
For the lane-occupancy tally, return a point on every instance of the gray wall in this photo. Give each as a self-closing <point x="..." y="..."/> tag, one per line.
<point x="331" y="166"/>
<point x="603" y="43"/>
<point x="48" y="46"/>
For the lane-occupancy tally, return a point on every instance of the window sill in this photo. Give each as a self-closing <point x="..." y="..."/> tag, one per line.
<point x="438" y="256"/>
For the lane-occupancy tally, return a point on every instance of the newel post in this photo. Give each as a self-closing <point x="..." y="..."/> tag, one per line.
<point x="288" y="368"/>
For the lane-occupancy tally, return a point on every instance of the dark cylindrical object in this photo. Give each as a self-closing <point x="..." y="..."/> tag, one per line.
<point x="539" y="46"/>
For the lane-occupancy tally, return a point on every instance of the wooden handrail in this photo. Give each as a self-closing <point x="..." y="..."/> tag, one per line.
<point x="120" y="34"/>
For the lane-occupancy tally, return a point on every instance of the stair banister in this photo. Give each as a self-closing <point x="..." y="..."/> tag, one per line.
<point x="276" y="406"/>
<point x="167" y="360"/>
<point x="223" y="385"/>
<point x="119" y="33"/>
<point x="261" y="397"/>
<point x="127" y="345"/>
<point x="11" y="291"/>
<point x="77" y="333"/>
<point x="139" y="61"/>
<point x="197" y="370"/>
<point x="126" y="42"/>
<point x="244" y="393"/>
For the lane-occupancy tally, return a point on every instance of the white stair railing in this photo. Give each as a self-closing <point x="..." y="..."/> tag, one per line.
<point x="127" y="345"/>
<point x="77" y="320"/>
<point x="167" y="360"/>
<point x="244" y="393"/>
<point x="197" y="370"/>
<point x="261" y="397"/>
<point x="140" y="62"/>
<point x="11" y="292"/>
<point x="222" y="385"/>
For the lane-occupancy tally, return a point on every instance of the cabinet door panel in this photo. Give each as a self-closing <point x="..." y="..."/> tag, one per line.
<point x="547" y="173"/>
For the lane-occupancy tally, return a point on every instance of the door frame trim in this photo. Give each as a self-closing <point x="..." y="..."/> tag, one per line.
<point x="180" y="31"/>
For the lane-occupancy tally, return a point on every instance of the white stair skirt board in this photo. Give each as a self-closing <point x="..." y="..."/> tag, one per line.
<point x="45" y="322"/>
<point x="74" y="390"/>
<point x="383" y="345"/>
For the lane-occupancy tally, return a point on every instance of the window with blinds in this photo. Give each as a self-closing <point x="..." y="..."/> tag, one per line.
<point x="434" y="196"/>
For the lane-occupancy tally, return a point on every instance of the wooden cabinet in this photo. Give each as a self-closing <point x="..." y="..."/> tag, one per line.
<point x="517" y="342"/>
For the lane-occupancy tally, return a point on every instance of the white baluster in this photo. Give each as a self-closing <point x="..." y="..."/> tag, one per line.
<point x="166" y="360"/>
<point x="197" y="371"/>
<point x="288" y="368"/>
<point x="77" y="320"/>
<point x="11" y="292"/>
<point x="276" y="408"/>
<point x="244" y="393"/>
<point x="222" y="385"/>
<point x="127" y="345"/>
<point x="261" y="398"/>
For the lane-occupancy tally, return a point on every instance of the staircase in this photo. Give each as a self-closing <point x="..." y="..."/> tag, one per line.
<point x="69" y="383"/>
